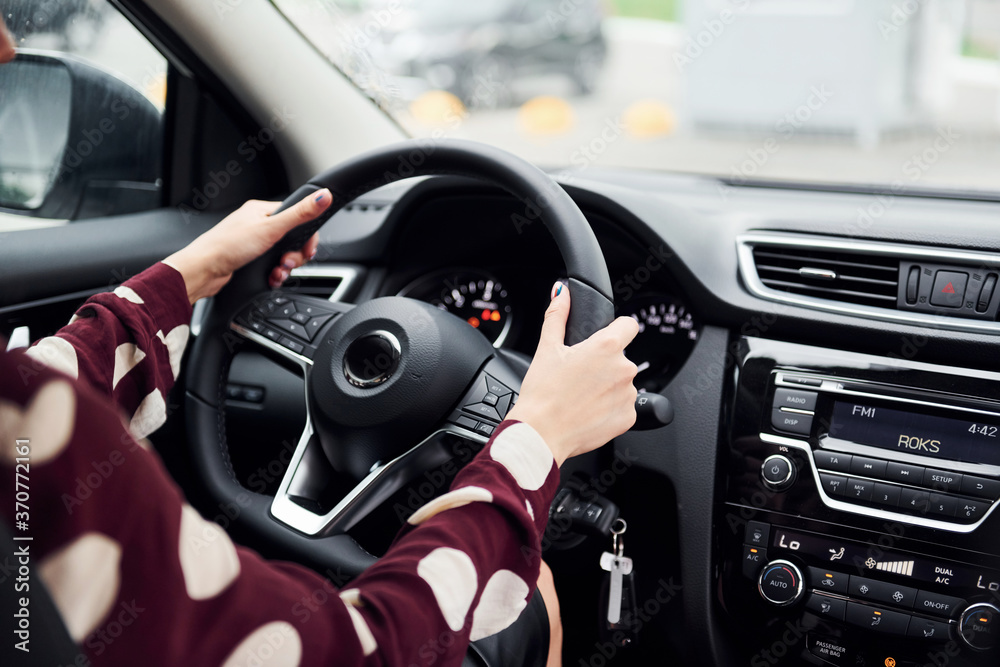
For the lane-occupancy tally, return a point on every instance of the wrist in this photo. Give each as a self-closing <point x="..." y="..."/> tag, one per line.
<point x="197" y="279"/>
<point x="552" y="440"/>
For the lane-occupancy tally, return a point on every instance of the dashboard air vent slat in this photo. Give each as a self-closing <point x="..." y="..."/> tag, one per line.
<point x="832" y="274"/>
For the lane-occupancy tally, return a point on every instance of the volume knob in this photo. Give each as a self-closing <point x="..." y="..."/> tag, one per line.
<point x="780" y="583"/>
<point x="778" y="472"/>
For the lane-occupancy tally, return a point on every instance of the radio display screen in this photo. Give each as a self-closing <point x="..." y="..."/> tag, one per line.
<point x="917" y="433"/>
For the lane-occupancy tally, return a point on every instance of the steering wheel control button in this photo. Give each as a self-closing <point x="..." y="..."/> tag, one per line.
<point x="939" y="605"/>
<point x="467" y="422"/>
<point x="291" y="327"/>
<point x="757" y="533"/>
<point x="791" y="422"/>
<point x="828" y="581"/>
<point x="485" y="429"/>
<point x="297" y="348"/>
<point x="979" y="626"/>
<point x="314" y="325"/>
<point x="271" y="334"/>
<point x="777" y="472"/>
<point x="836" y="461"/>
<point x="793" y="398"/>
<point x="928" y="629"/>
<point x="827" y="607"/>
<point x="301" y="318"/>
<point x="834" y="485"/>
<point x="483" y="411"/>
<point x="880" y="591"/>
<point x="949" y="289"/>
<point x="371" y="359"/>
<point x="754" y="558"/>
<point x="491" y="399"/>
<point x="980" y="486"/>
<point x="862" y="465"/>
<point x="882" y="621"/>
<point x="494" y="386"/>
<point x="780" y="583"/>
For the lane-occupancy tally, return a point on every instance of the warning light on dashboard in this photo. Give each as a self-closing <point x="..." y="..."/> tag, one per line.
<point x="890" y="662"/>
<point x="948" y="289"/>
<point x="474" y="321"/>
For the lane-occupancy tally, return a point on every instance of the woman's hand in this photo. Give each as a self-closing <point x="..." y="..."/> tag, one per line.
<point x="7" y="51"/>
<point x="209" y="261"/>
<point x="578" y="397"/>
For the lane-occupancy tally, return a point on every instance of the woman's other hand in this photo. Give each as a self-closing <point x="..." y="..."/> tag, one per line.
<point x="209" y="261"/>
<point x="578" y="397"/>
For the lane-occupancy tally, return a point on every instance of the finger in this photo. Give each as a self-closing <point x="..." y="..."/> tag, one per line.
<point x="292" y="260"/>
<point x="554" y="326"/>
<point x="621" y="331"/>
<point x="7" y="51"/>
<point x="306" y="209"/>
<point x="278" y="276"/>
<point x="311" y="246"/>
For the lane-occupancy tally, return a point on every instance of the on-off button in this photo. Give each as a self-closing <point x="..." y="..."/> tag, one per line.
<point x="778" y="472"/>
<point x="791" y="422"/>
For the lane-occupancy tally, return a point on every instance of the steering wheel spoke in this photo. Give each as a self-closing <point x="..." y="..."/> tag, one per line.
<point x="288" y="324"/>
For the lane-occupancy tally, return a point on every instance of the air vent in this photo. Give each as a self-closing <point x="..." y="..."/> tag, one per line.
<point x="838" y="275"/>
<point x="945" y="288"/>
<point x="326" y="281"/>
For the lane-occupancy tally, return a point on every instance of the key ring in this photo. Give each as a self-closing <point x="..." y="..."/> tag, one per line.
<point x="618" y="542"/>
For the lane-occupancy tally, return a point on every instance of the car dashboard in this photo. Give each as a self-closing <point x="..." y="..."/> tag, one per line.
<point x="826" y="491"/>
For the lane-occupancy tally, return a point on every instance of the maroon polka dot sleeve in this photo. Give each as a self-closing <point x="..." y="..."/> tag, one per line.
<point x="137" y="573"/>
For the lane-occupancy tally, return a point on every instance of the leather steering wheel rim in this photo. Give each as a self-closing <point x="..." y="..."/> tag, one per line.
<point x="248" y="513"/>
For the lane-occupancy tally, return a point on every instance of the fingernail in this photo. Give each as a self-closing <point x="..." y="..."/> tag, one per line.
<point x="321" y="196"/>
<point x="556" y="290"/>
<point x="288" y="264"/>
<point x="312" y="253"/>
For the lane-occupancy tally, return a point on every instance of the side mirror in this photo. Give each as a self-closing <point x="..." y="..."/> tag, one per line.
<point x="75" y="141"/>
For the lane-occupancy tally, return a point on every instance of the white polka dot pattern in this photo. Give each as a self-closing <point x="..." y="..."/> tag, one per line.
<point x="531" y="512"/>
<point x="46" y="422"/>
<point x="208" y="558"/>
<point x="128" y="294"/>
<point x="149" y="416"/>
<point x="127" y="356"/>
<point x="522" y="451"/>
<point x="57" y="354"/>
<point x="83" y="579"/>
<point x="450" y="500"/>
<point x="351" y="596"/>
<point x="368" y="643"/>
<point x="504" y="598"/>
<point x="176" y="341"/>
<point x="275" y="644"/>
<point x="452" y="577"/>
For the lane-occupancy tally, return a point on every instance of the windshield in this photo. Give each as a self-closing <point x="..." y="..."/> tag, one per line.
<point x="896" y="94"/>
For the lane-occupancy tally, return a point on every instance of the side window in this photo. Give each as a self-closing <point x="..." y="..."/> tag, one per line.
<point x="81" y="115"/>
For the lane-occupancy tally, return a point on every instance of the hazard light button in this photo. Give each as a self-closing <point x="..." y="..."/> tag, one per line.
<point x="949" y="289"/>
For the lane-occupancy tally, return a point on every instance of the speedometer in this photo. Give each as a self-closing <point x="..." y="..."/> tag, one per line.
<point x="475" y="296"/>
<point x="667" y="334"/>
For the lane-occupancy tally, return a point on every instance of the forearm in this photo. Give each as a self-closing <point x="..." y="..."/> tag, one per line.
<point x="126" y="344"/>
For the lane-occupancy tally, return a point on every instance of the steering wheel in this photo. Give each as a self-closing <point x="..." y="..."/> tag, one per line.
<point x="389" y="382"/>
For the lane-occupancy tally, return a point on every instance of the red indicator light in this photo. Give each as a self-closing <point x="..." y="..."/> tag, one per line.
<point x="948" y="289"/>
<point x="474" y="321"/>
<point x="495" y="316"/>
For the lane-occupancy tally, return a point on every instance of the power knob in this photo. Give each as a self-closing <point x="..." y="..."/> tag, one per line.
<point x="979" y="626"/>
<point x="778" y="472"/>
<point x="780" y="583"/>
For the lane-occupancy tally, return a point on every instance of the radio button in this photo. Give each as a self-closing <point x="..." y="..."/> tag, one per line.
<point x="877" y="620"/>
<point x="791" y="422"/>
<point x="907" y="474"/>
<point x="915" y="501"/>
<point x="834" y="485"/>
<point x="828" y="581"/>
<point x="880" y="591"/>
<point x="827" y="607"/>
<point x="886" y="494"/>
<point x="924" y="628"/>
<point x="793" y="398"/>
<point x="827" y="460"/>
<point x="943" y="505"/>
<point x="940" y="605"/>
<point x="868" y="467"/>
<point x="972" y="510"/>
<point x="941" y="480"/>
<point x="980" y="486"/>
<point x="859" y="489"/>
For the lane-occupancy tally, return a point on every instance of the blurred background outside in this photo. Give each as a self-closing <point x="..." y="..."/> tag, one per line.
<point x="874" y="92"/>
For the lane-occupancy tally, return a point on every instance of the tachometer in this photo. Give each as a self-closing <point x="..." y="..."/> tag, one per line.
<point x="667" y="333"/>
<point x="475" y="296"/>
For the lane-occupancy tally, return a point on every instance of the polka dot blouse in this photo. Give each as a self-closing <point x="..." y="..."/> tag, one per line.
<point x="140" y="578"/>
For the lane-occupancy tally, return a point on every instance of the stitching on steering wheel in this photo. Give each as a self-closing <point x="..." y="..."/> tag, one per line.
<point x="221" y="422"/>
